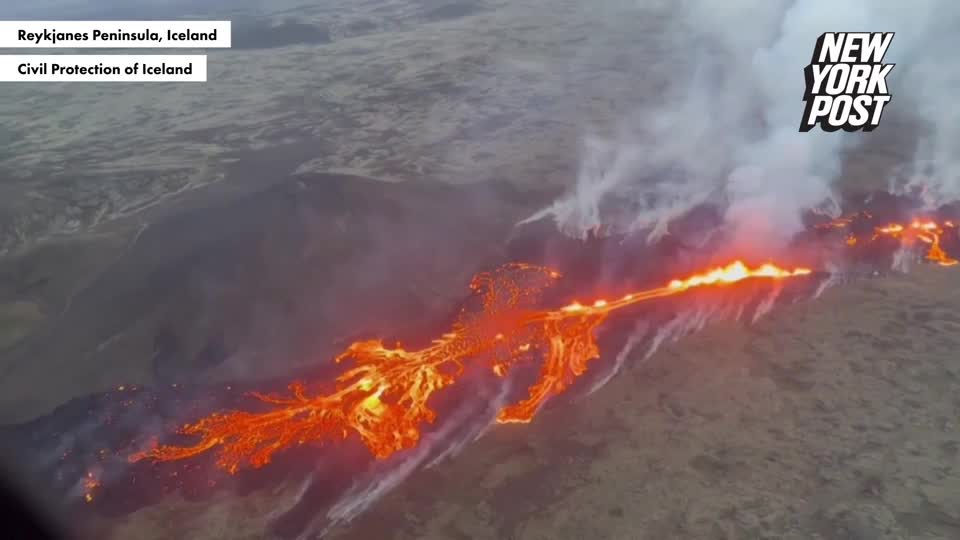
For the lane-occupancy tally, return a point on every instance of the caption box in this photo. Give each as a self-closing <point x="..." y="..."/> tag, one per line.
<point x="109" y="35"/>
<point x="115" y="34"/>
<point x="103" y="68"/>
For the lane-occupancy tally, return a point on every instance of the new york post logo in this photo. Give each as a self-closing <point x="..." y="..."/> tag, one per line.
<point x="847" y="82"/>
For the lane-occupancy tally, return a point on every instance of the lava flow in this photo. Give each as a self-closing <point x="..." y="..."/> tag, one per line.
<point x="928" y="231"/>
<point x="90" y="484"/>
<point x="384" y="397"/>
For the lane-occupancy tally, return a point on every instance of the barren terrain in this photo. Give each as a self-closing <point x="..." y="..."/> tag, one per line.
<point x="131" y="217"/>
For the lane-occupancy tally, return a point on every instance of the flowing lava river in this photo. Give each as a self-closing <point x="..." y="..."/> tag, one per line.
<point x="507" y="351"/>
<point x="383" y="398"/>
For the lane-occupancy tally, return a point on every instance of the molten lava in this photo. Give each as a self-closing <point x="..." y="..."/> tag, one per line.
<point x="90" y="484"/>
<point x="383" y="398"/>
<point x="927" y="231"/>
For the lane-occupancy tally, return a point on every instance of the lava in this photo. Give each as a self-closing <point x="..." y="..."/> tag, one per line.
<point x="90" y="484"/>
<point x="383" y="398"/>
<point x="927" y="231"/>
<point x="930" y="232"/>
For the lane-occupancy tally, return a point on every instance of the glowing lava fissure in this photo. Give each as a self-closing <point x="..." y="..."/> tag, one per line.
<point x="383" y="398"/>
<point x="908" y="233"/>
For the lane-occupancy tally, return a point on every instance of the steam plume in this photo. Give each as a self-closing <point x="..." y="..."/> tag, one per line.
<point x="730" y="136"/>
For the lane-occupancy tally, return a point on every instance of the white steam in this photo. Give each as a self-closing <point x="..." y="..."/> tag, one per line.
<point x="730" y="136"/>
<point x="928" y="81"/>
<point x="463" y="426"/>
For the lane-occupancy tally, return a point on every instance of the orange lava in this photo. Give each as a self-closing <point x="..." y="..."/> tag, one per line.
<point x="383" y="397"/>
<point x="927" y="231"/>
<point x="90" y="483"/>
<point x="931" y="232"/>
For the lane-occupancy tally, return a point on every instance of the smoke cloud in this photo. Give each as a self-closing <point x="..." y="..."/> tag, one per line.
<point x="928" y="79"/>
<point x="730" y="136"/>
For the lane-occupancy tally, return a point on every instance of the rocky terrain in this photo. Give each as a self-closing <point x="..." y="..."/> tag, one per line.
<point x="452" y="92"/>
<point x="152" y="234"/>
